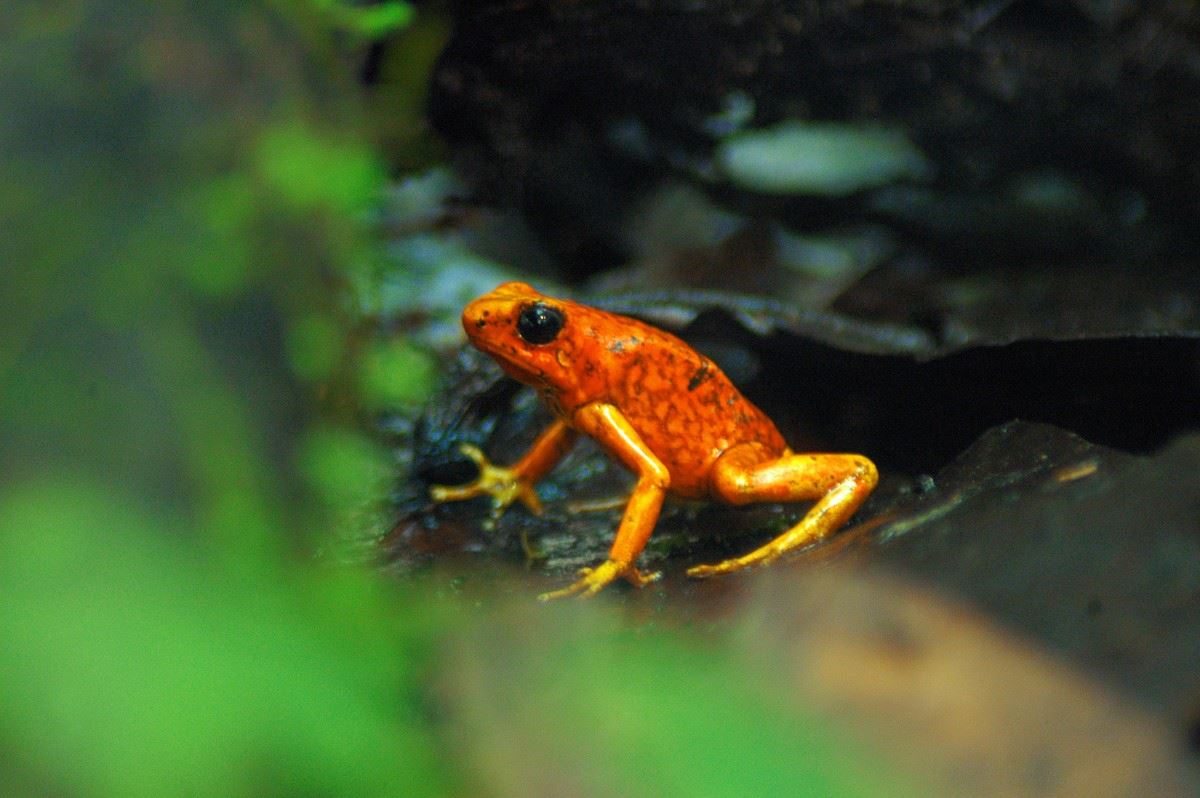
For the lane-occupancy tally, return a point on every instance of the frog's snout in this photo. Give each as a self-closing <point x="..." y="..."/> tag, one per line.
<point x="481" y="314"/>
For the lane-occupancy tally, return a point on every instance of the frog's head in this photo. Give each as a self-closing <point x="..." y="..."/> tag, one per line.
<point x="527" y="333"/>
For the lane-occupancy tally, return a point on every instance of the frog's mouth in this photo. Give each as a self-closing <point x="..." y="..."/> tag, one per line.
<point x="520" y="374"/>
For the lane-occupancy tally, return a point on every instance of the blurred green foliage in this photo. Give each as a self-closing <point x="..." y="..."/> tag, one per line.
<point x="397" y="103"/>
<point x="591" y="708"/>
<point x="135" y="665"/>
<point x="392" y="373"/>
<point x="184" y="197"/>
<point x="369" y="21"/>
<point x="182" y="192"/>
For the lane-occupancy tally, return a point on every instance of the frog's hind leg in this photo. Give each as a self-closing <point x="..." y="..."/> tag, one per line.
<point x="747" y="473"/>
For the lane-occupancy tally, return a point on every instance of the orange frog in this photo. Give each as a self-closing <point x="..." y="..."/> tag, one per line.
<point x="663" y="410"/>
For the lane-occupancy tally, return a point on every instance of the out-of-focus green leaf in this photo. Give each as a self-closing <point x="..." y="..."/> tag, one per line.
<point x="133" y="665"/>
<point x="400" y="95"/>
<point x="369" y="21"/>
<point x="393" y="372"/>
<point x="569" y="705"/>
<point x="314" y="346"/>
<point x="179" y="181"/>
<point x="343" y="467"/>
<point x="310" y="171"/>
<point x="222" y="264"/>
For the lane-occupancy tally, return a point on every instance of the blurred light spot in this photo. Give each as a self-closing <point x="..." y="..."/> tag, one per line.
<point x="822" y="159"/>
<point x="1076" y="471"/>
<point x="394" y="372"/>
<point x="342" y="467"/>
<point x="1048" y="192"/>
<point x="311" y="172"/>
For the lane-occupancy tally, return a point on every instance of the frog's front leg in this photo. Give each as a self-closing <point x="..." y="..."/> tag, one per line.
<point x="839" y="482"/>
<point x="613" y="431"/>
<point x="506" y="485"/>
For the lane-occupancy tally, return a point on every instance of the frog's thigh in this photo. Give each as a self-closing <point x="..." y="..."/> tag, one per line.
<point x="839" y="482"/>
<point x="747" y="473"/>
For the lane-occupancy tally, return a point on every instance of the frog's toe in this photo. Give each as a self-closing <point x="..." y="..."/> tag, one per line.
<point x="717" y="569"/>
<point x="592" y="580"/>
<point x="726" y="566"/>
<point x="638" y="579"/>
<point x="703" y="571"/>
<point x="452" y="493"/>
<point x="574" y="589"/>
<point x="474" y="454"/>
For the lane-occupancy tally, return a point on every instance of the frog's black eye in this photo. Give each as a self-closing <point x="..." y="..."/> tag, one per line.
<point x="540" y="324"/>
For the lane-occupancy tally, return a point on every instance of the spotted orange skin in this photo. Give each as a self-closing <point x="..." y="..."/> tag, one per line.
<point x="660" y="408"/>
<point x="682" y="405"/>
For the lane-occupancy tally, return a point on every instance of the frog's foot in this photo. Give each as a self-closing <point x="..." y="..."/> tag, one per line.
<point x="592" y="580"/>
<point x="502" y="484"/>
<point x="761" y="556"/>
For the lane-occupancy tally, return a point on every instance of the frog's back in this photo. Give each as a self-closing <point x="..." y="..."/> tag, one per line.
<point x="682" y="405"/>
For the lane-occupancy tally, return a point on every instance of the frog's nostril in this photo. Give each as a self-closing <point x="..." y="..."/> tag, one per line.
<point x="475" y="317"/>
